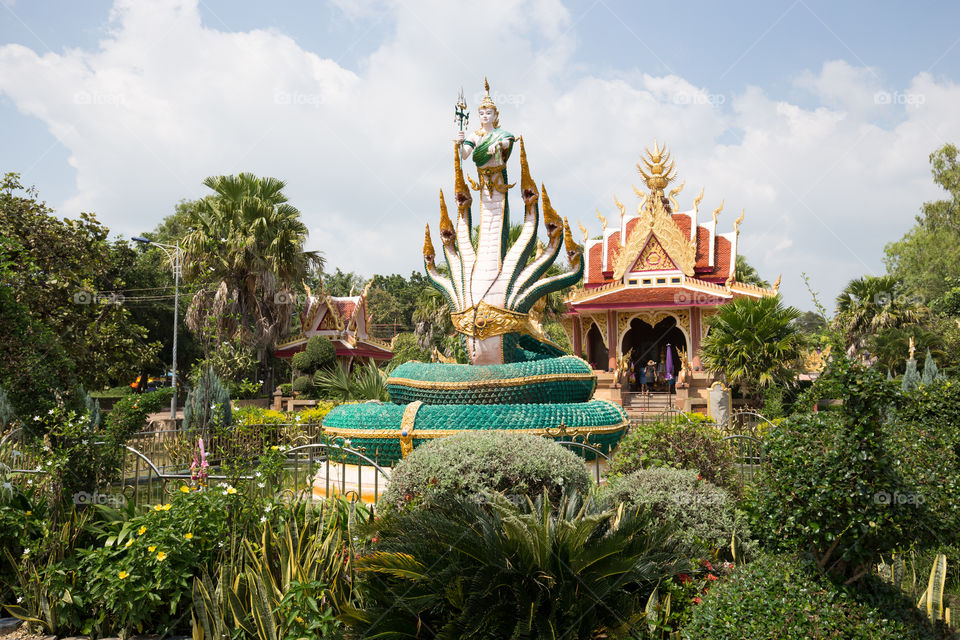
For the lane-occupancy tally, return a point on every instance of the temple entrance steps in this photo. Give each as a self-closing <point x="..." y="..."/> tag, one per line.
<point x="648" y="406"/>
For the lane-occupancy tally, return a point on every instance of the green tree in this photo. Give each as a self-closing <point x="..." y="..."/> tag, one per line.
<point x="745" y="272"/>
<point x="928" y="256"/>
<point x="891" y="347"/>
<point x="870" y="304"/>
<point x="339" y="283"/>
<point x="754" y="342"/>
<point x="250" y="241"/>
<point x="73" y="281"/>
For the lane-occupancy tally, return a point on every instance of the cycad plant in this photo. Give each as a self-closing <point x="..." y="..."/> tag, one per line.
<point x="497" y="570"/>
<point x="208" y="403"/>
<point x="364" y="382"/>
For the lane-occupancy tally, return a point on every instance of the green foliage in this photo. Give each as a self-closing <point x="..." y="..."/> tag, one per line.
<point x="208" y="404"/>
<point x="831" y="485"/>
<point x="301" y="361"/>
<point x="784" y="597"/>
<point x="871" y="304"/>
<point x="406" y="347"/>
<point x="7" y="412"/>
<point x="754" y="342"/>
<point x="129" y="414"/>
<point x="685" y="444"/>
<point x="70" y="279"/>
<point x="557" y="335"/>
<point x="930" y="372"/>
<point x="303" y="385"/>
<point x="363" y="382"/>
<point x="286" y="388"/>
<point x="910" y="377"/>
<point x="705" y="514"/>
<point x="543" y="570"/>
<point x="744" y="272"/>
<point x="321" y="352"/>
<point x="471" y="463"/>
<point x="891" y="346"/>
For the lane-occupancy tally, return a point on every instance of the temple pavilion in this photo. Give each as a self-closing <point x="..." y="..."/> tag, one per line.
<point x="343" y="319"/>
<point x="653" y="279"/>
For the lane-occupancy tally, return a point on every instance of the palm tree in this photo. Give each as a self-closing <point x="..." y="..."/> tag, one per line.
<point x="891" y="347"/>
<point x="870" y="304"/>
<point x="745" y="272"/>
<point x="249" y="241"/>
<point x="753" y="342"/>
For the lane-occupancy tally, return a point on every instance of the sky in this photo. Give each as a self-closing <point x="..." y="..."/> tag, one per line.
<point x="816" y="119"/>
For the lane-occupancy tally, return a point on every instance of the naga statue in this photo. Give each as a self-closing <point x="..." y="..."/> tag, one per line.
<point x="517" y="379"/>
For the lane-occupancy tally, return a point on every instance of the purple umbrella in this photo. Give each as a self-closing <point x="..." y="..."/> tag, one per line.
<point x="669" y="363"/>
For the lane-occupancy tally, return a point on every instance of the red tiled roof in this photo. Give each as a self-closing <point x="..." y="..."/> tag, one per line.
<point x="595" y="264"/>
<point x="682" y="220"/>
<point x="344" y="306"/>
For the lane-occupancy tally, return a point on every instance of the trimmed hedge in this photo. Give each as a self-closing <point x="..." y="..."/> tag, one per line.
<point x="472" y="463"/>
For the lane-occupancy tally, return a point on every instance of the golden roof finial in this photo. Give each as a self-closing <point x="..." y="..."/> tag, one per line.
<point x="738" y="221"/>
<point x="660" y="166"/>
<point x="696" y="201"/>
<point x="574" y="251"/>
<point x="716" y="212"/>
<point x="776" y="285"/>
<point x="603" y="221"/>
<point x="583" y="230"/>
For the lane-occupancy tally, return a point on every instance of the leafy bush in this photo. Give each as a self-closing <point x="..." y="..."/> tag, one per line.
<point x="785" y="597"/>
<point x="314" y="415"/>
<point x="830" y="484"/>
<point x="286" y="389"/>
<point x="687" y="444"/>
<point x="469" y="464"/>
<point x="925" y="433"/>
<point x="129" y="414"/>
<point x="363" y="382"/>
<point x="705" y="513"/>
<point x="466" y="570"/>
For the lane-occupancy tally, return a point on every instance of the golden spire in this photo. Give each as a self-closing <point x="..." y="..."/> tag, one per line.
<point x="716" y="212"/>
<point x="696" y="201"/>
<point x="487" y="102"/>
<point x="583" y="230"/>
<point x="447" y="232"/>
<point x="551" y="220"/>
<point x="603" y="221"/>
<point x="428" y="253"/>
<point x="776" y="285"/>
<point x="660" y="166"/>
<point x="738" y="221"/>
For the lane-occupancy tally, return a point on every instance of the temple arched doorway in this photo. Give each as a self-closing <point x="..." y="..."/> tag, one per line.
<point x="642" y="343"/>
<point x="597" y="354"/>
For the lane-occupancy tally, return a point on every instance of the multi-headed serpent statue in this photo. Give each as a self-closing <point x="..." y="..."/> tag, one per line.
<point x="517" y="380"/>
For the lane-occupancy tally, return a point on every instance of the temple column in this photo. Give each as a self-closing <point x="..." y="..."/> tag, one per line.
<point x="612" y="346"/>
<point x="577" y="336"/>
<point x="695" y="328"/>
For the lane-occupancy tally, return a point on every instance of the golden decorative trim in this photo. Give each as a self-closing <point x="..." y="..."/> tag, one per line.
<point x="485" y="321"/>
<point x="407" y="425"/>
<point x="566" y="323"/>
<point x="654" y="220"/>
<point x="391" y="434"/>
<point x="599" y="319"/>
<point x="491" y="384"/>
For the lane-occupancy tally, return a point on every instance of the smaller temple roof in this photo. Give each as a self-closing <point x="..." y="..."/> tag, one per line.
<point x="344" y="320"/>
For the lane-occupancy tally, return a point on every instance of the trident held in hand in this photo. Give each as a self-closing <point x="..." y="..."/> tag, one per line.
<point x="460" y="114"/>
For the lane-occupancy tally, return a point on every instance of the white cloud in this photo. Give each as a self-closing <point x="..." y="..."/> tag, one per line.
<point x="165" y="101"/>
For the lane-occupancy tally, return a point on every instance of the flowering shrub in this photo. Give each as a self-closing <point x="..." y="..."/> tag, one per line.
<point x="705" y="513"/>
<point x="469" y="464"/>
<point x="784" y="597"/>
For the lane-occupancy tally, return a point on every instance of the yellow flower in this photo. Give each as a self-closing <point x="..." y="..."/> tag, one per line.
<point x="141" y="531"/>
<point x="123" y="575"/>
<point x="152" y="548"/>
<point x="161" y="556"/>
<point x="274" y="448"/>
<point x="231" y="491"/>
<point x="184" y="489"/>
<point x="29" y="513"/>
<point x="165" y="507"/>
<point x="188" y="536"/>
<point x="129" y="542"/>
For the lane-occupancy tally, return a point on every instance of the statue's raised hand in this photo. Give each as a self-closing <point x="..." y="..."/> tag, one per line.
<point x="461" y="136"/>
